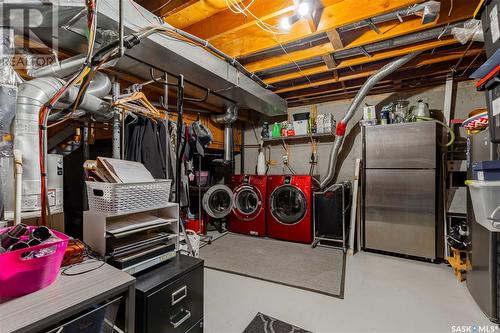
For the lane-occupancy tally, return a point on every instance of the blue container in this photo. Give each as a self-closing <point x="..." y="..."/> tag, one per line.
<point x="486" y="170"/>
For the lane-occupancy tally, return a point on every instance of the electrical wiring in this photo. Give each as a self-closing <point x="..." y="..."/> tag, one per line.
<point x="235" y="7"/>
<point x="83" y="89"/>
<point x="450" y="131"/>
<point x="455" y="67"/>
<point x="238" y="9"/>
<point x="47" y="108"/>
<point x="291" y="60"/>
<point x="471" y="63"/>
<point x="162" y="6"/>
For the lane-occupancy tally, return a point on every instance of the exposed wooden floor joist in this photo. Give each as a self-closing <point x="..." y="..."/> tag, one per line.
<point x="261" y="52"/>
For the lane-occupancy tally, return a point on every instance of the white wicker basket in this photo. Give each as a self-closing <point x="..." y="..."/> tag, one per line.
<point x="116" y="199"/>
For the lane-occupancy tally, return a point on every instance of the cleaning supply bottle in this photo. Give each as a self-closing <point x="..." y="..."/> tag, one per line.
<point x="276" y="130"/>
<point x="261" y="163"/>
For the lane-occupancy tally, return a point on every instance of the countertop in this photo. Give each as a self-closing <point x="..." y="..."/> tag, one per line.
<point x="67" y="296"/>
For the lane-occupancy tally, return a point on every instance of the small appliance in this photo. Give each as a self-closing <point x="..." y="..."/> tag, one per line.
<point x="289" y="203"/>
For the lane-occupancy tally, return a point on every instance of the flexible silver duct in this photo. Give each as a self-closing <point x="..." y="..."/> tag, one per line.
<point x="360" y="96"/>
<point x="31" y="96"/>
<point x="228" y="120"/>
<point x="8" y="94"/>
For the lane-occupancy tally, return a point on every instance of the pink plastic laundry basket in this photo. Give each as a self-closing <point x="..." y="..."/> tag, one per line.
<point x="20" y="276"/>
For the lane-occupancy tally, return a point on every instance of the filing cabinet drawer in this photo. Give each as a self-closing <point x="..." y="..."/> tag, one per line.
<point x="178" y="306"/>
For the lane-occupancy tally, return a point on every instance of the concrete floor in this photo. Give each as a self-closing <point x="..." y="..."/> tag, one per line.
<point x="383" y="294"/>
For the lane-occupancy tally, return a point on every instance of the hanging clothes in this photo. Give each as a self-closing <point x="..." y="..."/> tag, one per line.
<point x="145" y="142"/>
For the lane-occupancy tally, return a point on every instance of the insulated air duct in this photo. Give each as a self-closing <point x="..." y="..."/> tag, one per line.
<point x="228" y="120"/>
<point x="360" y="96"/>
<point x="8" y="94"/>
<point x="31" y="96"/>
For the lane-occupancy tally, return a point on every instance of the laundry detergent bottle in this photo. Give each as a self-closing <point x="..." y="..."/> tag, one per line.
<point x="261" y="163"/>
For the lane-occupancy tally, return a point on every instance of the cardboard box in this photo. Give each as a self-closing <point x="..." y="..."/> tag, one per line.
<point x="369" y="112"/>
<point x="300" y="127"/>
<point x="320" y="118"/>
<point x="329" y="123"/>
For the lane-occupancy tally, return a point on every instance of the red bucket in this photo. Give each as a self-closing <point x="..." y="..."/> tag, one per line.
<point x="21" y="276"/>
<point x="196" y="225"/>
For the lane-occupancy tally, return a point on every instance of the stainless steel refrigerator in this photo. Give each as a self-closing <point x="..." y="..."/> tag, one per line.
<point x="400" y="188"/>
<point x="483" y="278"/>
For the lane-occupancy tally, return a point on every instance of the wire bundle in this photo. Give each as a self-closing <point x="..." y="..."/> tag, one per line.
<point x="47" y="108"/>
<point x="236" y="8"/>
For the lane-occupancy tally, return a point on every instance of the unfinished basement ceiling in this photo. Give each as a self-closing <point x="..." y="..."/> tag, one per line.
<point x="329" y="58"/>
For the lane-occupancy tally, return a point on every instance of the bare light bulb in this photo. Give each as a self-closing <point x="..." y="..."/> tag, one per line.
<point x="304" y="8"/>
<point x="285" y="23"/>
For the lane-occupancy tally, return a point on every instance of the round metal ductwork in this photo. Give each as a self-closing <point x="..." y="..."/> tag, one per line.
<point x="218" y="201"/>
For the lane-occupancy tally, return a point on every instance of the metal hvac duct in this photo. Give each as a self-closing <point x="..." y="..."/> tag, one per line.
<point x="31" y="96"/>
<point x="228" y="120"/>
<point x="431" y="7"/>
<point x="398" y="41"/>
<point x="100" y="86"/>
<point x="395" y="42"/>
<point x="195" y="63"/>
<point x="428" y="10"/>
<point x="360" y="96"/>
<point x="60" y="69"/>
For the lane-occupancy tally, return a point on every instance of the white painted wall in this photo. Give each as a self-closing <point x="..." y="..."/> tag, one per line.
<point x="466" y="100"/>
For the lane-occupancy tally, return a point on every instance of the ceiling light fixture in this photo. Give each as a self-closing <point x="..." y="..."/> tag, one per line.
<point x="287" y="22"/>
<point x="304" y="8"/>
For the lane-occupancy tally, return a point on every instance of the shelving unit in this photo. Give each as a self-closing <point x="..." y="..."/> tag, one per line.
<point x="298" y="137"/>
<point x="96" y="227"/>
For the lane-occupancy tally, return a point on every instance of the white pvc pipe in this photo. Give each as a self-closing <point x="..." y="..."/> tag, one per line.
<point x="18" y="167"/>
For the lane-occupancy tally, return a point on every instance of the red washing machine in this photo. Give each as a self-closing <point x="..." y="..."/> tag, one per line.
<point x="248" y="215"/>
<point x="289" y="201"/>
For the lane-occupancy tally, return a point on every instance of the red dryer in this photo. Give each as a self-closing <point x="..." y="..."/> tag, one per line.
<point x="289" y="203"/>
<point x="248" y="215"/>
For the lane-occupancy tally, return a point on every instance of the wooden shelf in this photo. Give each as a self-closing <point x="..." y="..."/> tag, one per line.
<point x="298" y="137"/>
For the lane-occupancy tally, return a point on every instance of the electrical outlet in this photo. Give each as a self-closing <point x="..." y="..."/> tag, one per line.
<point x="285" y="159"/>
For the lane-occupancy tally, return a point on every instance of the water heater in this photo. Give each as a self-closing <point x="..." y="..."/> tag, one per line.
<point x="55" y="181"/>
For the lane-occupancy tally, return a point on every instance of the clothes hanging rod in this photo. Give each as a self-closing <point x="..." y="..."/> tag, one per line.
<point x="177" y="77"/>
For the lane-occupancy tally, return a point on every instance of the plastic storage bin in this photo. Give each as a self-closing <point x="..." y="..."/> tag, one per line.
<point x="490" y="18"/>
<point x="21" y="276"/>
<point x="486" y="170"/>
<point x="116" y="199"/>
<point x="485" y="197"/>
<point x="201" y="178"/>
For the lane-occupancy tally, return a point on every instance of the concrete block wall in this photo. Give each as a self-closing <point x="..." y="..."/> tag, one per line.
<point x="466" y="99"/>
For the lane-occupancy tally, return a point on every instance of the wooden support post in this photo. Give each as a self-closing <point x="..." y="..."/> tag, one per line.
<point x="315" y="17"/>
<point x="335" y="39"/>
<point x="330" y="61"/>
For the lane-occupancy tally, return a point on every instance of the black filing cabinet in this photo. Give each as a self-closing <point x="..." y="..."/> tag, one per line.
<point x="170" y="298"/>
